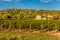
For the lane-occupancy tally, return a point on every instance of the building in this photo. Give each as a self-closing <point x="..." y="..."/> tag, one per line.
<point x="38" y="17"/>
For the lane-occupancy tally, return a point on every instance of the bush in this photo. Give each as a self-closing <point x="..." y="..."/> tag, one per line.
<point x="30" y="24"/>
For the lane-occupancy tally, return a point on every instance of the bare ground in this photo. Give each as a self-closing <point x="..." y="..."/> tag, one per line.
<point x="53" y="33"/>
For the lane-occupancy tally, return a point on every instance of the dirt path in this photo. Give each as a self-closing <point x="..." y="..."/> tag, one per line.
<point x="54" y="33"/>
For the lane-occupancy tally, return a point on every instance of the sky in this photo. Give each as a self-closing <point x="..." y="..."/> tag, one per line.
<point x="30" y="4"/>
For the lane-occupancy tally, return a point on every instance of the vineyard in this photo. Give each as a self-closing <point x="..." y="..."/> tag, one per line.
<point x="30" y="24"/>
<point x="24" y="19"/>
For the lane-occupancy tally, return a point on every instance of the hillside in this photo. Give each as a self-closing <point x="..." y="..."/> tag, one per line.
<point x="30" y="19"/>
<point x="24" y="24"/>
<point x="28" y="14"/>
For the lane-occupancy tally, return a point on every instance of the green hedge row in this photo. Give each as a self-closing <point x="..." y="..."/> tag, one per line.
<point x="30" y="24"/>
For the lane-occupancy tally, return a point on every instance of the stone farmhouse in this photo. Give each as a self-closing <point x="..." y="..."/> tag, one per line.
<point x="43" y="17"/>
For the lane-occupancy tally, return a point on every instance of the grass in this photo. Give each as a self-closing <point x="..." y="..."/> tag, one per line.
<point x="26" y="36"/>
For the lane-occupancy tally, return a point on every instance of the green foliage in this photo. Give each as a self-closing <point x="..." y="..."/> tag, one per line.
<point x="24" y="19"/>
<point x="25" y="13"/>
<point x="30" y="24"/>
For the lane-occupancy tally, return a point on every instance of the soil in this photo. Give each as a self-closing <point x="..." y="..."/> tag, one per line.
<point x="53" y="33"/>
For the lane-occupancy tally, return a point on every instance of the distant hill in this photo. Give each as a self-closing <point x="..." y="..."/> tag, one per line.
<point x="27" y="14"/>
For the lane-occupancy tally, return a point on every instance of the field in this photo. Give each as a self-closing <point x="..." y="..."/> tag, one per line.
<point x="23" y="24"/>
